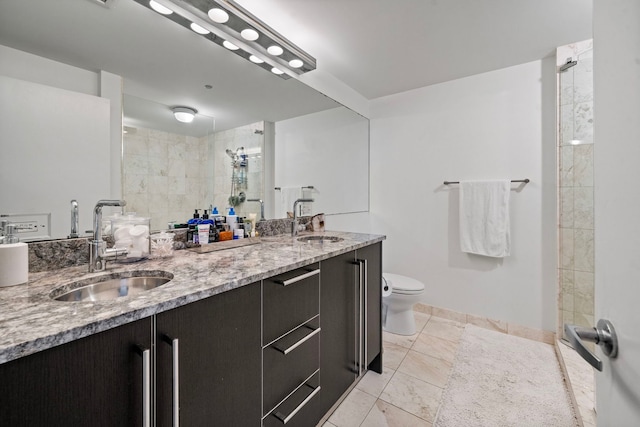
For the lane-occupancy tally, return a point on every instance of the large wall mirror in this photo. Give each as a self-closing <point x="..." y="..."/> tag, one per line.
<point x="295" y="140"/>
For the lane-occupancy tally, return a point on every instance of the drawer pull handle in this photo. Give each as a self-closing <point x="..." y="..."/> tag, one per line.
<point x="298" y="278"/>
<point x="298" y="344"/>
<point x="286" y="419"/>
<point x="146" y="386"/>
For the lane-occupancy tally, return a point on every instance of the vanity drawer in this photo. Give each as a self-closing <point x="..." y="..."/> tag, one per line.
<point x="301" y="409"/>
<point x="289" y="300"/>
<point x="289" y="362"/>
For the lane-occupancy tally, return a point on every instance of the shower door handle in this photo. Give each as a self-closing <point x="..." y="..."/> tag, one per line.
<point x="603" y="334"/>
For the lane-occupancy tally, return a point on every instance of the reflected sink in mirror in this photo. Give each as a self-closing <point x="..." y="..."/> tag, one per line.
<point x="316" y="239"/>
<point x="109" y="287"/>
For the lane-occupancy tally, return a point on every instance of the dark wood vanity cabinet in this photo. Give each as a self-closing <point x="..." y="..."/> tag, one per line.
<point x="372" y="265"/>
<point x="92" y="381"/>
<point x="291" y="347"/>
<point x="351" y="322"/>
<point x="338" y="352"/>
<point x="286" y="348"/>
<point x="215" y="345"/>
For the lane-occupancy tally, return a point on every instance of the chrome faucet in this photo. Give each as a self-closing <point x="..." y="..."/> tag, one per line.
<point x="98" y="252"/>
<point x="294" y="226"/>
<point x="261" y="207"/>
<point x="74" y="219"/>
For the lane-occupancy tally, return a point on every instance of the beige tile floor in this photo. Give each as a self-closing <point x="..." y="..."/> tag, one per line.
<point x="416" y="369"/>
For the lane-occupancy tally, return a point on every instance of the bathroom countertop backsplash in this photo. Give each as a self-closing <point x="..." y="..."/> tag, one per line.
<point x="55" y="254"/>
<point x="31" y="321"/>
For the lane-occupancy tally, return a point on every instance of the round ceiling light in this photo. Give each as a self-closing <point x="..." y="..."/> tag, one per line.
<point x="275" y="70"/>
<point x="230" y="45"/>
<point x="296" y="63"/>
<point x="255" y="59"/>
<point x="184" y="114"/>
<point x="249" y="34"/>
<point x="275" y="50"/>
<point x="199" y="29"/>
<point x="160" y="8"/>
<point x="218" y="15"/>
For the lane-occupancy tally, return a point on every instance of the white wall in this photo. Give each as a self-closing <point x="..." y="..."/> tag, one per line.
<point x="328" y="150"/>
<point x="57" y="152"/>
<point x="26" y="66"/>
<point x="499" y="124"/>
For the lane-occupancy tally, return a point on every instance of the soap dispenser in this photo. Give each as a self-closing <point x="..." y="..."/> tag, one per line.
<point x="14" y="257"/>
<point x="232" y="219"/>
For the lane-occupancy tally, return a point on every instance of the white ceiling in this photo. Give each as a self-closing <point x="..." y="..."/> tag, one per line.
<point x="377" y="47"/>
<point x="381" y="47"/>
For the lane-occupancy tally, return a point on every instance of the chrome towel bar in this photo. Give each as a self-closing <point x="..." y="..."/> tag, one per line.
<point x="526" y="181"/>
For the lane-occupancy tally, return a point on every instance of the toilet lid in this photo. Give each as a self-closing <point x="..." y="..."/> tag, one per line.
<point x="403" y="284"/>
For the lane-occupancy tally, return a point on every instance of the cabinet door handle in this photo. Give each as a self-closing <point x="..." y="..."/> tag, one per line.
<point x="146" y="386"/>
<point x="176" y="381"/>
<point x="286" y="419"/>
<point x="298" y="278"/>
<point x="175" y="367"/>
<point x="360" y="320"/>
<point x="365" y="306"/>
<point x="299" y="343"/>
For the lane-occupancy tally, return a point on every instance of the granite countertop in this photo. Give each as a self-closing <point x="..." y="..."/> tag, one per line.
<point x="30" y="321"/>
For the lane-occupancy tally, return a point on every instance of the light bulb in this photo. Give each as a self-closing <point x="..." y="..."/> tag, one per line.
<point x="249" y="34"/>
<point x="160" y="8"/>
<point x="274" y="70"/>
<point x="218" y="15"/>
<point x="199" y="29"/>
<point x="296" y="63"/>
<point x="255" y="59"/>
<point x="230" y="45"/>
<point x="275" y="50"/>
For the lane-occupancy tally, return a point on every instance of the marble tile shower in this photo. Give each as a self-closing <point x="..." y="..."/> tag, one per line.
<point x="576" y="184"/>
<point x="166" y="176"/>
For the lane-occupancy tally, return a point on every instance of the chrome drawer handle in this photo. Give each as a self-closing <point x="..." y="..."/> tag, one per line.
<point x="175" y="369"/>
<point x="146" y="386"/>
<point x="286" y="419"/>
<point x="176" y="382"/>
<point x="298" y="278"/>
<point x="298" y="344"/>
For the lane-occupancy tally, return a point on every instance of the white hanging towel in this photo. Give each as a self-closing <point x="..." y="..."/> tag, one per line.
<point x="484" y="217"/>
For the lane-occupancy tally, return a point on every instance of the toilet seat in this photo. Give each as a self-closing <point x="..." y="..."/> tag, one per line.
<point x="403" y="285"/>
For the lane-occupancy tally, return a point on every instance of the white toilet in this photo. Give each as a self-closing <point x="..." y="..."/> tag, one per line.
<point x="397" y="306"/>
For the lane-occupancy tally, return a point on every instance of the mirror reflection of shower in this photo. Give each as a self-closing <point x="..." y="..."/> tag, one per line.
<point x="239" y="165"/>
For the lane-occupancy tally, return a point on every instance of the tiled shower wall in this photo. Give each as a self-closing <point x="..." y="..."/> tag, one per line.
<point x="166" y="176"/>
<point x="576" y="180"/>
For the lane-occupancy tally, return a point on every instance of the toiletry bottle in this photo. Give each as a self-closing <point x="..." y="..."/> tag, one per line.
<point x="210" y="226"/>
<point x="232" y="219"/>
<point x="217" y="219"/>
<point x="195" y="219"/>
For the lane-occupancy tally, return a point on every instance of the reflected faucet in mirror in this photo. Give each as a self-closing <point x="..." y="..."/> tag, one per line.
<point x="294" y="225"/>
<point x="261" y="207"/>
<point x="98" y="252"/>
<point x="74" y="219"/>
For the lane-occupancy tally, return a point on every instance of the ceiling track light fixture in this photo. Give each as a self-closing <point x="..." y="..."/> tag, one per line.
<point x="228" y="22"/>
<point x="184" y="114"/>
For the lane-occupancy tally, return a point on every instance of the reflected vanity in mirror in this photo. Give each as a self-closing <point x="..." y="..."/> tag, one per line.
<point x="292" y="135"/>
